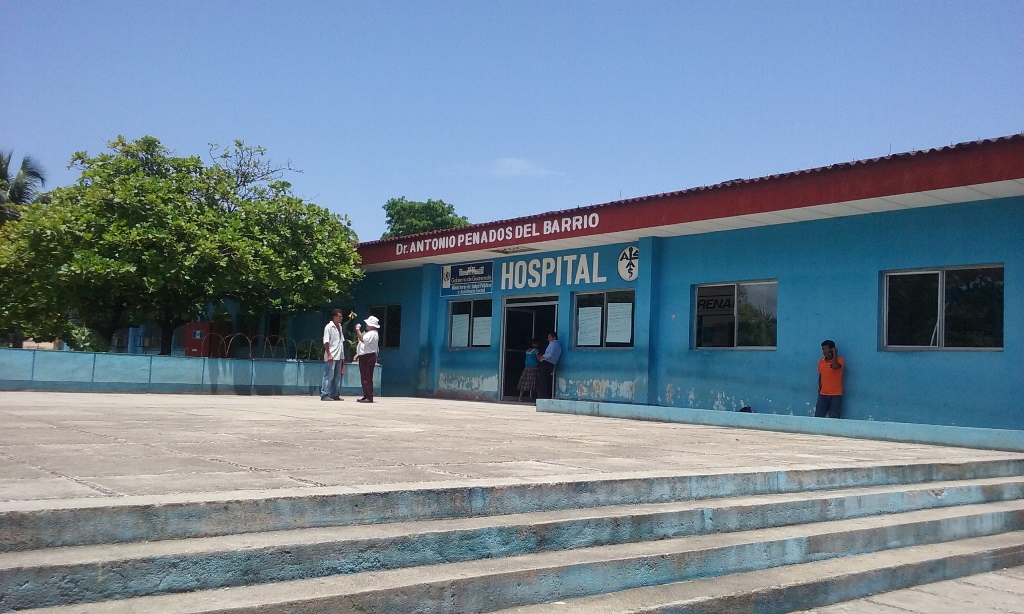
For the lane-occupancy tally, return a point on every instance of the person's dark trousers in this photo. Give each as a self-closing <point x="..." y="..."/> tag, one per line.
<point x="828" y="406"/>
<point x="366" y="364"/>
<point x="545" y="381"/>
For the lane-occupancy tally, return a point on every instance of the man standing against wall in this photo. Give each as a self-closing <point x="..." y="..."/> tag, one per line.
<point x="545" y="390"/>
<point x="334" y="358"/>
<point x="830" y="381"/>
<point x="366" y="352"/>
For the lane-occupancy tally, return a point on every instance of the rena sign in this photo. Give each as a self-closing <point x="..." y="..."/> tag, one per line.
<point x="553" y="228"/>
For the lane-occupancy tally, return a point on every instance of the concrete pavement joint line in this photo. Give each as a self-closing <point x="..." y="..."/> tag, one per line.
<point x="975" y="583"/>
<point x="807" y="585"/>
<point x="968" y="593"/>
<point x="103" y="491"/>
<point x="212" y="459"/>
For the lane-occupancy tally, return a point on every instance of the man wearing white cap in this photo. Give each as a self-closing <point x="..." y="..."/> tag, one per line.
<point x="366" y="352"/>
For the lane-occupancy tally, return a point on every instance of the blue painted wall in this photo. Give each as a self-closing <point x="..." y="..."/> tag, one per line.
<point x="829" y="276"/>
<point x="830" y="286"/>
<point x="425" y="365"/>
<point x="607" y="374"/>
<point x="401" y="287"/>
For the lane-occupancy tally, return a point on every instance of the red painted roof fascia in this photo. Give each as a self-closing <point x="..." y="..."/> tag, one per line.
<point x="949" y="167"/>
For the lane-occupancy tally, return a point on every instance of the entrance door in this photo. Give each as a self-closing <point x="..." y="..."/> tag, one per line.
<point x="525" y="320"/>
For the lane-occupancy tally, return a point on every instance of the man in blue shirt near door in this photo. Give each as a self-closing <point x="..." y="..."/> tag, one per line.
<point x="545" y="388"/>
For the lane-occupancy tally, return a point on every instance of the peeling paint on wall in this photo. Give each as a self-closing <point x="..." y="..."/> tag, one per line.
<point x="467" y="383"/>
<point x="597" y="389"/>
<point x="722" y="402"/>
<point x="717" y="400"/>
<point x="711" y="399"/>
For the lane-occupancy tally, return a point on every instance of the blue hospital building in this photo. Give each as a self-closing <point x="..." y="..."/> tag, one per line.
<point x="719" y="297"/>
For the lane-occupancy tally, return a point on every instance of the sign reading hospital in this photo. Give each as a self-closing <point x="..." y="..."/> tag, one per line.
<point x="568" y="269"/>
<point x="465" y="279"/>
<point x="565" y="226"/>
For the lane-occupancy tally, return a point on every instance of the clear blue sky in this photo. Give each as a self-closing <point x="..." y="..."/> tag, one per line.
<point x="510" y="108"/>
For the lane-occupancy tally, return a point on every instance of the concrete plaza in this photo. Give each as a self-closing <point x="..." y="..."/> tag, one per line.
<point x="59" y="447"/>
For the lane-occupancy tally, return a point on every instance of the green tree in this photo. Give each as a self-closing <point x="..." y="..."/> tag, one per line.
<point x="406" y="217"/>
<point x="19" y="188"/>
<point x="144" y="236"/>
<point x="297" y="256"/>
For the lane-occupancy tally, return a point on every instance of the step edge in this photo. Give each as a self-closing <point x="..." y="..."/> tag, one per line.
<point x="793" y="541"/>
<point x="126" y="523"/>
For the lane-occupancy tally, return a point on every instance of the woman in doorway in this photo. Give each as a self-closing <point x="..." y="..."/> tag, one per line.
<point x="528" y="380"/>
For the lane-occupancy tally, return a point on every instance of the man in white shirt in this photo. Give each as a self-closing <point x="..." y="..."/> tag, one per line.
<point x="334" y="358"/>
<point x="366" y="353"/>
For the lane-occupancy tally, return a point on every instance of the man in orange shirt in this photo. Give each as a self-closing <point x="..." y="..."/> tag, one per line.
<point x="830" y="382"/>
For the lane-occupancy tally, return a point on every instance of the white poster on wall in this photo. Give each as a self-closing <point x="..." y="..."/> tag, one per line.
<point x="460" y="330"/>
<point x="482" y="331"/>
<point x="588" y="326"/>
<point x="620" y="323"/>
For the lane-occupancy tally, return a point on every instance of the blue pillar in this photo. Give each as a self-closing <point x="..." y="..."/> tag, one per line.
<point x="645" y="334"/>
<point x="432" y="327"/>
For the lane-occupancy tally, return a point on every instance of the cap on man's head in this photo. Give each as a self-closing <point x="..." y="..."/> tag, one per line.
<point x="372" y="321"/>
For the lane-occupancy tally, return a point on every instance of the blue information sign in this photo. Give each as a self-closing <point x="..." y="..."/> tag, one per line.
<point x="465" y="279"/>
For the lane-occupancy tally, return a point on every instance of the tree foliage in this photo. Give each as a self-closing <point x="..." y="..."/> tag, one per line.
<point x="406" y="217"/>
<point x="145" y="236"/>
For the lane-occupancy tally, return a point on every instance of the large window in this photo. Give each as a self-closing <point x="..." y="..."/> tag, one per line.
<point x="390" y="317"/>
<point x="944" y="308"/>
<point x="604" y="319"/>
<point x="737" y="315"/>
<point x="470" y="324"/>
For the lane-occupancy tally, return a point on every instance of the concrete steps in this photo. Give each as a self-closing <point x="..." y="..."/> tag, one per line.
<point x="807" y="585"/>
<point x="47" y="524"/>
<point x="446" y="557"/>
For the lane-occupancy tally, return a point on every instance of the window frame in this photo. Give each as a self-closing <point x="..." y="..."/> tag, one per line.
<point x="696" y="330"/>
<point x="604" y="344"/>
<point x="383" y="313"/>
<point x="940" y="307"/>
<point x="472" y="322"/>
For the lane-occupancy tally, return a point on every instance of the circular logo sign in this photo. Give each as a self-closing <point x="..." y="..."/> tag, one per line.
<point x="629" y="263"/>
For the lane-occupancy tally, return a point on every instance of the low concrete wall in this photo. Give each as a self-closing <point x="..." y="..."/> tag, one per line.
<point x="960" y="436"/>
<point x="98" y="372"/>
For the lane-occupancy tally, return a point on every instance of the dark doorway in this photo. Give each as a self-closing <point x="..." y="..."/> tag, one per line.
<point x="525" y="319"/>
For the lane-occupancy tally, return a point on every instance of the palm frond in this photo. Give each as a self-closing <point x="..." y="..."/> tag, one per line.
<point x="22" y="187"/>
<point x="5" y="166"/>
<point x="32" y="170"/>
